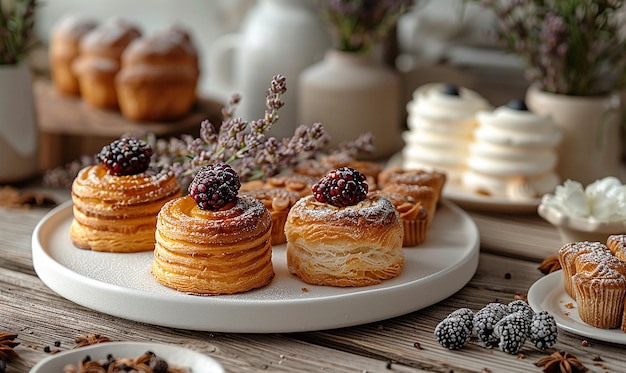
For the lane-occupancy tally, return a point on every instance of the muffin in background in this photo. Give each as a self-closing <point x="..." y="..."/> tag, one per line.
<point x="65" y="48"/>
<point x="158" y="76"/>
<point x="100" y="61"/>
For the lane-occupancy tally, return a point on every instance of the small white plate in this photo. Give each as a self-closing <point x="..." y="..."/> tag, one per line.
<point x="121" y="284"/>
<point x="548" y="294"/>
<point x="474" y="201"/>
<point x="174" y="355"/>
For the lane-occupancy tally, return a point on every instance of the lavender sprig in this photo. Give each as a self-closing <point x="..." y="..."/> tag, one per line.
<point x="247" y="147"/>
<point x="358" y="25"/>
<point x="17" y="19"/>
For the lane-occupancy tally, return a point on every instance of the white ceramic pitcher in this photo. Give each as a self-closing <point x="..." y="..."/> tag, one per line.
<point x="277" y="37"/>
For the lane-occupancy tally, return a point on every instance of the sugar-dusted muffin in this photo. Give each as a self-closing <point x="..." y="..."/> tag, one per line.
<point x="116" y="202"/>
<point x="158" y="76"/>
<point x="64" y="49"/>
<point x="414" y="217"/>
<point x="395" y="175"/>
<point x="213" y="241"/>
<point x="278" y="202"/>
<point x="342" y="236"/>
<point x="600" y="289"/>
<point x="567" y="257"/>
<point x="423" y="194"/>
<point x="100" y="60"/>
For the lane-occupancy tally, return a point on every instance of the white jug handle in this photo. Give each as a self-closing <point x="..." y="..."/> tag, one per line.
<point x="222" y="58"/>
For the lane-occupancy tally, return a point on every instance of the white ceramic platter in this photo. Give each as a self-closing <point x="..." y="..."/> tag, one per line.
<point x="475" y="201"/>
<point x="121" y="284"/>
<point x="548" y="294"/>
<point x="177" y="356"/>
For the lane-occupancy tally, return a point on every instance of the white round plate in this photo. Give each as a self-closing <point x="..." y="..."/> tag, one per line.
<point x="548" y="294"/>
<point x="121" y="284"/>
<point x="474" y="201"/>
<point x="174" y="355"/>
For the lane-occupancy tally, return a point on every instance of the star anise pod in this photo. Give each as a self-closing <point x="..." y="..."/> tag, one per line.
<point x="549" y="265"/>
<point x="6" y="346"/>
<point x="90" y="339"/>
<point x="561" y="362"/>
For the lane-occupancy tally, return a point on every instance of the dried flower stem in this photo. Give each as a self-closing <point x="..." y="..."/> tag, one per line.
<point x="17" y="19"/>
<point x="572" y="47"/>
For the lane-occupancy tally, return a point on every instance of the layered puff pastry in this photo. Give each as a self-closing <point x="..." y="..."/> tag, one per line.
<point x="117" y="213"/>
<point x="358" y="245"/>
<point x="206" y="252"/>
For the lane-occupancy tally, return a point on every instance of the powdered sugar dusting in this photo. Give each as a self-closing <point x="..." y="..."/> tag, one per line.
<point x="374" y="209"/>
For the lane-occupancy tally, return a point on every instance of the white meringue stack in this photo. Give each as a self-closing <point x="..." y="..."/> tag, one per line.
<point x="441" y="120"/>
<point x="514" y="154"/>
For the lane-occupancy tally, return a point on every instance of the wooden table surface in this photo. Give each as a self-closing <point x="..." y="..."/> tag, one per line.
<point x="511" y="248"/>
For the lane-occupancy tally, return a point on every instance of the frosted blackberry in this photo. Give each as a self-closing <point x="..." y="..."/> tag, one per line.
<point x="520" y="305"/>
<point x="344" y="186"/>
<point x="214" y="186"/>
<point x="543" y="332"/>
<point x="485" y="320"/>
<point x="512" y="332"/>
<point x="452" y="333"/>
<point x="126" y="156"/>
<point x="466" y="315"/>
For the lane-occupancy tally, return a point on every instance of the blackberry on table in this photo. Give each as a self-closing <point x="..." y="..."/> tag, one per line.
<point x="466" y="315"/>
<point x="512" y="332"/>
<point x="485" y="320"/>
<point x="214" y="186"/>
<point x="520" y="305"/>
<point x="344" y="186"/>
<point x="452" y="333"/>
<point x="543" y="331"/>
<point x="126" y="156"/>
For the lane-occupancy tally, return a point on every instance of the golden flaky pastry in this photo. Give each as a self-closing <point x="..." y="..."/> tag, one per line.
<point x="118" y="213"/>
<point x="356" y="245"/>
<point x="213" y="252"/>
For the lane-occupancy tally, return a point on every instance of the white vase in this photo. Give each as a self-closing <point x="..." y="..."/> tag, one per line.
<point x="277" y="37"/>
<point x="351" y="94"/>
<point x="591" y="145"/>
<point x="19" y="135"/>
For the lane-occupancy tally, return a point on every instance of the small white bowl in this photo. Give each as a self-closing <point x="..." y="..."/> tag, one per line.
<point x="576" y="229"/>
<point x="173" y="354"/>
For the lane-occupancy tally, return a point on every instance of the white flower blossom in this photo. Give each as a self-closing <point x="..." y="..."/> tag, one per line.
<point x="603" y="200"/>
